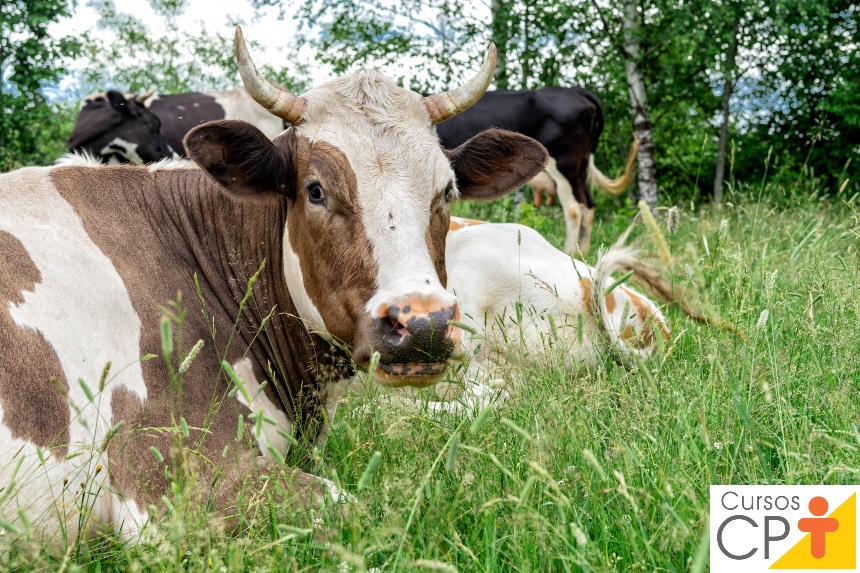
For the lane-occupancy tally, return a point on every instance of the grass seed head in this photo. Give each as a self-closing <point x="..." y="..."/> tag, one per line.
<point x="672" y="219"/>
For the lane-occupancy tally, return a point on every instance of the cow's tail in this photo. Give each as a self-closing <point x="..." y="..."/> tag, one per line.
<point x="613" y="186"/>
<point x="608" y="262"/>
<point x="647" y="277"/>
<point x="623" y="259"/>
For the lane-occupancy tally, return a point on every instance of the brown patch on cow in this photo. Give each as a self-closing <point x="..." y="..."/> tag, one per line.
<point x="33" y="387"/>
<point x="643" y="309"/>
<point x="627" y="333"/>
<point x="335" y="255"/>
<point x="585" y="283"/>
<point x="644" y="339"/>
<point x="161" y="230"/>
<point x="610" y="303"/>
<point x="458" y="223"/>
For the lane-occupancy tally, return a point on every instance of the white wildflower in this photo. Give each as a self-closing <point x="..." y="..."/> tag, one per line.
<point x="672" y="220"/>
<point x="718" y="446"/>
<point x="762" y="318"/>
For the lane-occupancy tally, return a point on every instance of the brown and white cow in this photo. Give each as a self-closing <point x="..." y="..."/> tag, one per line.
<point x="348" y="209"/>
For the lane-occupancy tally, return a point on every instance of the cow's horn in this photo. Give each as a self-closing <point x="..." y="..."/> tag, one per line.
<point x="448" y="104"/>
<point x="145" y="96"/>
<point x="278" y="101"/>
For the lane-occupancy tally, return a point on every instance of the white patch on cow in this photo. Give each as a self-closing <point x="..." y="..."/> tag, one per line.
<point x="491" y="267"/>
<point x="82" y="309"/>
<point x="237" y="104"/>
<point x="269" y="434"/>
<point x="490" y="272"/>
<point x="128" y="519"/>
<point x="171" y="164"/>
<point x="127" y="149"/>
<point x="79" y="158"/>
<point x="308" y="312"/>
<point x="386" y="135"/>
<point x="113" y="160"/>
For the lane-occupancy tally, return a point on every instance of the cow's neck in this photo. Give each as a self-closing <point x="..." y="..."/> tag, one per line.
<point x="233" y="242"/>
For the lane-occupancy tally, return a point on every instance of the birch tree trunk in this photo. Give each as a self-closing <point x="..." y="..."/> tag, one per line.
<point x="500" y="30"/>
<point x="724" y="129"/>
<point x="639" y="104"/>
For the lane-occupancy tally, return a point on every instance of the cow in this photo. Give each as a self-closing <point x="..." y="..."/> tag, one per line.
<point x="521" y="298"/>
<point x="123" y="128"/>
<point x="288" y="259"/>
<point x="568" y="122"/>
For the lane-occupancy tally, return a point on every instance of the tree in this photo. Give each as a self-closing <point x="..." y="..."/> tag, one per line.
<point x="728" y="83"/>
<point x="639" y="103"/>
<point x="135" y="57"/>
<point x="30" y="128"/>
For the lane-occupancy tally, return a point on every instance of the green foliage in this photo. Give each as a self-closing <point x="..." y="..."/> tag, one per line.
<point x="31" y="130"/>
<point x="136" y="57"/>
<point x="797" y="67"/>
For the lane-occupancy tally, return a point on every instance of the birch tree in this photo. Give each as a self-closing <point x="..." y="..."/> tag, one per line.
<point x="639" y="103"/>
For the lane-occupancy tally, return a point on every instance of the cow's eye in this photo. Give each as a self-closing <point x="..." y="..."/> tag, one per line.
<point x="315" y="193"/>
<point x="449" y="188"/>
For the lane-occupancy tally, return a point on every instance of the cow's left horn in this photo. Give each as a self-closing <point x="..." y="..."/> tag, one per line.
<point x="448" y="104"/>
<point x="278" y="101"/>
<point x="145" y="96"/>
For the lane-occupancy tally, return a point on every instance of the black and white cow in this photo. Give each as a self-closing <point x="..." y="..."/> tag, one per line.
<point x="141" y="129"/>
<point x="568" y="122"/>
<point x="346" y="213"/>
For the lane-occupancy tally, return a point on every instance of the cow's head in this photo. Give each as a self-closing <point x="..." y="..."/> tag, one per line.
<point x="368" y="187"/>
<point x="119" y="129"/>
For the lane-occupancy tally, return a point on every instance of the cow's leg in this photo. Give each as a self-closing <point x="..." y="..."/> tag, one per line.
<point x="585" y="228"/>
<point x="571" y="208"/>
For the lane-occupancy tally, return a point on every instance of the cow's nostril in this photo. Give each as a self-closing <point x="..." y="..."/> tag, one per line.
<point x="397" y="328"/>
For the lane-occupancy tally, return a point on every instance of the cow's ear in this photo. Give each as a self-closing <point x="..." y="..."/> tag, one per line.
<point x="495" y="162"/>
<point x="241" y="158"/>
<point x="118" y="102"/>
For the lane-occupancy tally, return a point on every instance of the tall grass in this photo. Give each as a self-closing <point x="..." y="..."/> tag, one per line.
<point x="605" y="471"/>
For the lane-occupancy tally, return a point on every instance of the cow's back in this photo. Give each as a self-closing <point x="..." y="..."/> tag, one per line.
<point x="180" y="113"/>
<point x="547" y="114"/>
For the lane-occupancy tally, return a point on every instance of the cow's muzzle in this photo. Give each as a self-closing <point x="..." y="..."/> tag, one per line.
<point x="414" y="341"/>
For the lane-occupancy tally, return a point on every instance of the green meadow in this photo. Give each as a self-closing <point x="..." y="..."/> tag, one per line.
<point x="602" y="470"/>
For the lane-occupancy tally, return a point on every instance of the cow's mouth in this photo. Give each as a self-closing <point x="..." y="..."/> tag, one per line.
<point x="417" y="374"/>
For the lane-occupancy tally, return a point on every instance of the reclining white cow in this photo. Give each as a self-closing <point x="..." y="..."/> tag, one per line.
<point x="495" y="268"/>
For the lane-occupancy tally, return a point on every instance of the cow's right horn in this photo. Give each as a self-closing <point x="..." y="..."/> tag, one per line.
<point x="278" y="101"/>
<point x="446" y="105"/>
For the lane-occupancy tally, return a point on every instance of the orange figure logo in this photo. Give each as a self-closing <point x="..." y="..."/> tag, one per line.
<point x="817" y="527"/>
